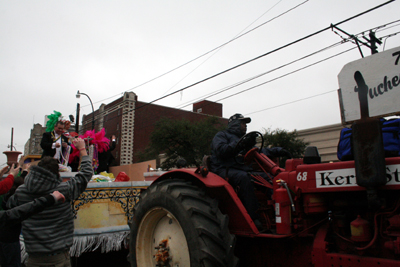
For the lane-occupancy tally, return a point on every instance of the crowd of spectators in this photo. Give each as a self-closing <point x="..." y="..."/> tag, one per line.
<point x="37" y="203"/>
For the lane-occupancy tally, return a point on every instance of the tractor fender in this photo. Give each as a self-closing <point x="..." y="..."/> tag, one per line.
<point x="218" y="188"/>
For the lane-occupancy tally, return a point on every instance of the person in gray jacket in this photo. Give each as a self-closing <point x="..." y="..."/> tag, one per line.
<point x="48" y="236"/>
<point x="10" y="255"/>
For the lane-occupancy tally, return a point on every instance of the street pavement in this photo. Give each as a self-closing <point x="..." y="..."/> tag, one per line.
<point x="98" y="259"/>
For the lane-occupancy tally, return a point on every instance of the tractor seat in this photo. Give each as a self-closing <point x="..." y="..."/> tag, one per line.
<point x="311" y="155"/>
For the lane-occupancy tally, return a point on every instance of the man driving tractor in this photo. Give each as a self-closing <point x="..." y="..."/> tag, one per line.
<point x="225" y="146"/>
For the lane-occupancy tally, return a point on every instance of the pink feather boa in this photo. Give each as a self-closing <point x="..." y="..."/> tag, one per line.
<point x="98" y="138"/>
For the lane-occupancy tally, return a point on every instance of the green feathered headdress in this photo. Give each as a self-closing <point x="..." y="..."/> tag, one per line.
<point x="53" y="119"/>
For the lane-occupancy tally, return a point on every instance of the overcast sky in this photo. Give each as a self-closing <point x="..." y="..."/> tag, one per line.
<point x="51" y="49"/>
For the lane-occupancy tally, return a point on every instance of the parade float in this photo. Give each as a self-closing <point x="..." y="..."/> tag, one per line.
<point x="103" y="210"/>
<point x="102" y="214"/>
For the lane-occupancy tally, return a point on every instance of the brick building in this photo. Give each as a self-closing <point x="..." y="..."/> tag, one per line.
<point x="132" y="122"/>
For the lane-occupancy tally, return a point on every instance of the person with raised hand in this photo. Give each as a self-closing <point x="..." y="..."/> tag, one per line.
<point x="48" y="236"/>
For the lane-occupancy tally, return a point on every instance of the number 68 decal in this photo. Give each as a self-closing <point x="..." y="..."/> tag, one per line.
<point x="302" y="176"/>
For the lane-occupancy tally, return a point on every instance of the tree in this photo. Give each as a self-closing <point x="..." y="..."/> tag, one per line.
<point x="181" y="139"/>
<point x="286" y="140"/>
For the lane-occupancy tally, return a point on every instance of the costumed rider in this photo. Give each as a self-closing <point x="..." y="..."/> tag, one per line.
<point x="223" y="163"/>
<point x="105" y="157"/>
<point x="97" y="143"/>
<point x="54" y="143"/>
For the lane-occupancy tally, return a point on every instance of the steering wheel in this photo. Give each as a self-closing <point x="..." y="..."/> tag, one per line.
<point x="240" y="152"/>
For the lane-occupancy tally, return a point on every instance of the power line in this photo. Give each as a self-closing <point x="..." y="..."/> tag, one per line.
<point x="294" y="101"/>
<point x="212" y="50"/>
<point x="190" y="61"/>
<point x="268" y="53"/>
<point x="298" y="100"/>
<point x="263" y="55"/>
<point x="221" y="47"/>
<point x="315" y="63"/>
<point x="204" y="97"/>
<point x="376" y="29"/>
<point x="287" y="74"/>
<point x="390" y="35"/>
<point x="302" y="99"/>
<point x="385" y="26"/>
<point x="262" y="74"/>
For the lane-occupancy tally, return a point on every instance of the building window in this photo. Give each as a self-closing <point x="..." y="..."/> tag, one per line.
<point x="199" y="110"/>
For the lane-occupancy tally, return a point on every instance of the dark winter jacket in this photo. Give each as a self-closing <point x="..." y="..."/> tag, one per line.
<point x="223" y="145"/>
<point x="51" y="231"/>
<point x="47" y="142"/>
<point x="10" y="220"/>
<point x="106" y="158"/>
<point x="10" y="232"/>
<point x="222" y="148"/>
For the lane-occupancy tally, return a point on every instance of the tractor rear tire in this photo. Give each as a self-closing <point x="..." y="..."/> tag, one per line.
<point x="176" y="224"/>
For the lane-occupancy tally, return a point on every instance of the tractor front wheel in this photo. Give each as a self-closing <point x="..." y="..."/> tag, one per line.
<point x="176" y="224"/>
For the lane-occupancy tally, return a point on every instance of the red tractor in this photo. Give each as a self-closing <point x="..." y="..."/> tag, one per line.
<point x="318" y="216"/>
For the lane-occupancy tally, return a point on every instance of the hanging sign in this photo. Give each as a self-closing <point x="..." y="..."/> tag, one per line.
<point x="379" y="89"/>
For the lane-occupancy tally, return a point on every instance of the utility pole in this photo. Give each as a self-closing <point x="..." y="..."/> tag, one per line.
<point x="12" y="139"/>
<point x="373" y="41"/>
<point x="78" y="106"/>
